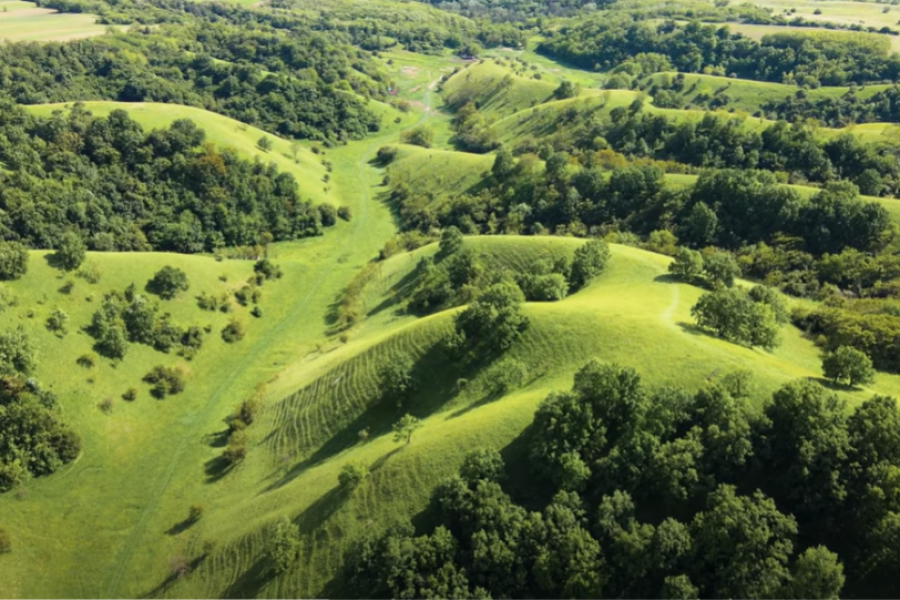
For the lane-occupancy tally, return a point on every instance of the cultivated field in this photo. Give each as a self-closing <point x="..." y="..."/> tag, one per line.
<point x="24" y="21"/>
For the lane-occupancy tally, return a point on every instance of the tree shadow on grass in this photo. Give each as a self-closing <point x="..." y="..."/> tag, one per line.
<point x="250" y="582"/>
<point x="173" y="578"/>
<point x="181" y="527"/>
<point x="667" y="278"/>
<point x="693" y="329"/>
<point x="218" y="439"/>
<point x="521" y="483"/>
<point x="316" y="514"/>
<point x="830" y="385"/>
<point x="217" y="468"/>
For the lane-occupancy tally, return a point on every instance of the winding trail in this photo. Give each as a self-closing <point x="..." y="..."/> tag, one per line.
<point x="113" y="586"/>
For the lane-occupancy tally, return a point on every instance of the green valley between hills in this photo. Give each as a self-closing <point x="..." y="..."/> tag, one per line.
<point x="361" y="329"/>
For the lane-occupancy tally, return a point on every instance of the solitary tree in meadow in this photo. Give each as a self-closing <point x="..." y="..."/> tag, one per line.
<point x="848" y="364"/>
<point x="404" y="428"/>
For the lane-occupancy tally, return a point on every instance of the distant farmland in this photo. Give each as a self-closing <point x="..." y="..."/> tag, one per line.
<point x="24" y="21"/>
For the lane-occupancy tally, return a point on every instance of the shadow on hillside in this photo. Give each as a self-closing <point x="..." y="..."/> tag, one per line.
<point x="181" y="526"/>
<point x="175" y="577"/>
<point x="522" y="485"/>
<point x="217" y="468"/>
<point x="667" y="278"/>
<point x="692" y="329"/>
<point x="250" y="582"/>
<point x="253" y="580"/>
<point x="398" y="293"/>
<point x="436" y="375"/>
<point x="830" y="385"/>
<point x="317" y="513"/>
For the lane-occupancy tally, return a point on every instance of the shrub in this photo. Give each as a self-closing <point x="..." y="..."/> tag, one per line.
<point x="106" y="405"/>
<point x="58" y="322"/>
<point x="351" y="475"/>
<point x="257" y="312"/>
<point x="345" y="213"/>
<point x="588" y="262"/>
<point x="90" y="273"/>
<point x="688" y="264"/>
<point x="167" y="282"/>
<point x="130" y="394"/>
<point x="386" y="154"/>
<point x="70" y="252"/>
<point x="267" y="269"/>
<point x="87" y="361"/>
<point x="17" y="352"/>
<point x="233" y="332"/>
<point x="420" y="136"/>
<point x="244" y="295"/>
<point x="327" y="214"/>
<point x="13" y="260"/>
<point x="167" y="381"/>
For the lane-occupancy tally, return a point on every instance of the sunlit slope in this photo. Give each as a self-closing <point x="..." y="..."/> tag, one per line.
<point x="520" y="107"/>
<point x="633" y="314"/>
<point x="146" y="462"/>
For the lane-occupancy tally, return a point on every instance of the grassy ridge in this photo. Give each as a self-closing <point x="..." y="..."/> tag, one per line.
<point x="632" y="314"/>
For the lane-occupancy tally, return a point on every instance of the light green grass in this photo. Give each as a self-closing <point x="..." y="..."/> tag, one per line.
<point x="838" y="11"/>
<point x="108" y="512"/>
<point x="756" y="32"/>
<point x="24" y="21"/>
<point x="521" y="108"/>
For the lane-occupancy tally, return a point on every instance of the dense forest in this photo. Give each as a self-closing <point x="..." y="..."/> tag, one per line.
<point x="808" y="59"/>
<point x="121" y="188"/>
<point x="663" y="494"/>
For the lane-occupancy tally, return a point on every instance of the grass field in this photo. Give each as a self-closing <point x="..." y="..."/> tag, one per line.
<point x="870" y="14"/>
<point x="24" y="21"/>
<point x="757" y="32"/>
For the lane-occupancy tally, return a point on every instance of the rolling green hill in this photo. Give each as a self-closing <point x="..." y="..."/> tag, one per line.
<point x="632" y="314"/>
<point x="114" y="523"/>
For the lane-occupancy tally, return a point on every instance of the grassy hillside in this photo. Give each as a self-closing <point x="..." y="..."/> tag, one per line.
<point x="522" y="107"/>
<point x="632" y="314"/>
<point x="146" y="461"/>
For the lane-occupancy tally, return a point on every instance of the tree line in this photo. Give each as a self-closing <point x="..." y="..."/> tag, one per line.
<point x="662" y="494"/>
<point x="808" y="59"/>
<point x="728" y="208"/>
<point x="121" y="188"/>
